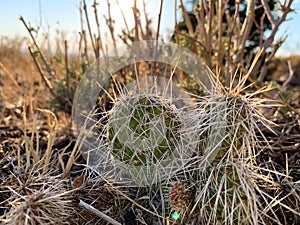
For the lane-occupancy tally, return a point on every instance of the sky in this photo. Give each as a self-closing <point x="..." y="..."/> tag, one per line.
<point x="63" y="15"/>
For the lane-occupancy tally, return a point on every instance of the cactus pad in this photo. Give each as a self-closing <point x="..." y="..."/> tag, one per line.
<point x="143" y="130"/>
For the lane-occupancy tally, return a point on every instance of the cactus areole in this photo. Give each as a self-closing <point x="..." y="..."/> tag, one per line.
<point x="143" y="130"/>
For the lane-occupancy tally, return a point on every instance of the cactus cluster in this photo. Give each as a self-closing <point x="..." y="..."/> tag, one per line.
<point x="217" y="139"/>
<point x="157" y="139"/>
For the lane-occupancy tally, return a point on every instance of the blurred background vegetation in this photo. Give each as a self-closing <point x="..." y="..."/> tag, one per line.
<point x="226" y="35"/>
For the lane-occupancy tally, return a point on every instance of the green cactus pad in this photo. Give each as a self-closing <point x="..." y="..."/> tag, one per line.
<point x="143" y="130"/>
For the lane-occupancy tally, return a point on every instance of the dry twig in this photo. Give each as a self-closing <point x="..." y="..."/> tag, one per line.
<point x="98" y="213"/>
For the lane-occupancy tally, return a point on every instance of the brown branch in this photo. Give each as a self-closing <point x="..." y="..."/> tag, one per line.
<point x="261" y="27"/>
<point x="89" y="27"/>
<point x="98" y="213"/>
<point x="84" y="54"/>
<point x="98" y="39"/>
<point x="265" y="66"/>
<point x="45" y="79"/>
<point x="270" y="39"/>
<point x="232" y="38"/>
<point x="268" y="42"/>
<point x="245" y="31"/>
<point x="186" y="18"/>
<point x="201" y="18"/>
<point x="67" y="70"/>
<point x="135" y="11"/>
<point x="148" y="22"/>
<point x="209" y="34"/>
<point x="237" y="20"/>
<point x="268" y="12"/>
<point x="110" y="24"/>
<point x="159" y="19"/>
<point x="48" y="68"/>
<point x="157" y="36"/>
<point x="290" y="76"/>
<point x="220" y="30"/>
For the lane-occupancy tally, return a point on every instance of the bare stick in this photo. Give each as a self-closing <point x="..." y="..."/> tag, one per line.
<point x="123" y="16"/>
<point x="268" y="12"/>
<point x="268" y="42"/>
<point x="186" y="18"/>
<point x="245" y="31"/>
<point x="67" y="70"/>
<point x="175" y="12"/>
<point x="89" y="27"/>
<point x="148" y="22"/>
<point x="83" y="41"/>
<point x="98" y="39"/>
<point x="159" y="19"/>
<point x="209" y="33"/>
<point x="110" y="24"/>
<point x="220" y="30"/>
<point x="98" y="213"/>
<point x="290" y="76"/>
<point x="157" y="36"/>
<point x="48" y="68"/>
<point x="45" y="79"/>
<point x="135" y="11"/>
<point x="267" y="61"/>
<point x="270" y="39"/>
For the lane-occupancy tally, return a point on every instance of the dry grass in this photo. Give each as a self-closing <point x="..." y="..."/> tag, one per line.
<point x="36" y="198"/>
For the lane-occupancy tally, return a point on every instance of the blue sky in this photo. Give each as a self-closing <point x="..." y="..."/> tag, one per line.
<point x="64" y="15"/>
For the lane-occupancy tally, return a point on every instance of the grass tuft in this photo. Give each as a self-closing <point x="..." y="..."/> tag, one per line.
<point x="36" y="198"/>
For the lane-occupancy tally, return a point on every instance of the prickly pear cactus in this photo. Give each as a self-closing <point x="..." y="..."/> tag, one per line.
<point x="227" y="188"/>
<point x="228" y="124"/>
<point x="143" y="130"/>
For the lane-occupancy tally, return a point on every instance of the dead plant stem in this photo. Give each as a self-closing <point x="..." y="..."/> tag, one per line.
<point x="45" y="79"/>
<point x="48" y="68"/>
<point x="98" y="213"/>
